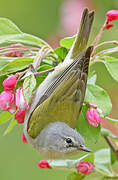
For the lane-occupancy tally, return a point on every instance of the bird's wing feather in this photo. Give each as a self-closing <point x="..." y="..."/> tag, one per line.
<point x="82" y="35"/>
<point x="66" y="100"/>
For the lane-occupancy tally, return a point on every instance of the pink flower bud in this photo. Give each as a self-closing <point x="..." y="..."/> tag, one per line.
<point x="112" y="15"/>
<point x="10" y="82"/>
<point x="84" y="167"/>
<point x="43" y="164"/>
<point x="6" y="100"/>
<point x="20" y="101"/>
<point x="93" y="117"/>
<point x="20" y="116"/>
<point x="24" y="140"/>
<point x="109" y="25"/>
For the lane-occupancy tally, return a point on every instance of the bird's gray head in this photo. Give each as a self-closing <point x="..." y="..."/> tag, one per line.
<point x="59" y="139"/>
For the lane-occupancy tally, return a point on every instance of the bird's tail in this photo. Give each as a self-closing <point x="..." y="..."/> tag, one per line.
<point x="82" y="36"/>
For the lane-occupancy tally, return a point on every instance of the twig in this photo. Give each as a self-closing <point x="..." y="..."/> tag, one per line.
<point x="112" y="146"/>
<point x="107" y="42"/>
<point x="43" y="72"/>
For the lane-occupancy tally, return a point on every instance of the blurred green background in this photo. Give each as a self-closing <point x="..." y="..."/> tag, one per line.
<point x="46" y="19"/>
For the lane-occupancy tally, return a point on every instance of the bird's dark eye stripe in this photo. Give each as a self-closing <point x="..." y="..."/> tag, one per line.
<point x="68" y="140"/>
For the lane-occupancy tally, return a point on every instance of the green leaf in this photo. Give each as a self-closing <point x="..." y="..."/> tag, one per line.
<point x="70" y="163"/>
<point x="4" y="117"/>
<point x="104" y="169"/>
<point x="67" y="42"/>
<point x="89" y="132"/>
<point x="113" y="157"/>
<point x="92" y="79"/>
<point x="108" y="58"/>
<point x="61" y="52"/>
<point x="103" y="156"/>
<point x="10" y="33"/>
<point x="75" y="176"/>
<point x="8" y="27"/>
<point x="16" y="65"/>
<point x="10" y="127"/>
<point x="28" y="87"/>
<point x="3" y="62"/>
<point x="98" y="96"/>
<point x="112" y="67"/>
<point x="108" y="51"/>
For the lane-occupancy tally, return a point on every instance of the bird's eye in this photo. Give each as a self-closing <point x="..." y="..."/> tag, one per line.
<point x="68" y="140"/>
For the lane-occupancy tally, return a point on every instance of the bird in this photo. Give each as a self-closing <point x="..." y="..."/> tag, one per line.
<point x="51" y="120"/>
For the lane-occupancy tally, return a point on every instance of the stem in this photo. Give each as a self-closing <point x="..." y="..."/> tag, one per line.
<point x="43" y="51"/>
<point x="11" y="49"/>
<point x="107" y="42"/>
<point x="96" y="40"/>
<point x="112" y="146"/>
<point x="43" y="72"/>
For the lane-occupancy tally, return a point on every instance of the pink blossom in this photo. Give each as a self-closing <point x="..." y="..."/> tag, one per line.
<point x="24" y="140"/>
<point x="7" y="99"/>
<point x="20" y="116"/>
<point x="112" y="15"/>
<point x="15" y="53"/>
<point x="20" y="101"/>
<point x="10" y="82"/>
<point x="84" y="167"/>
<point x="43" y="164"/>
<point x="93" y="117"/>
<point x="109" y="25"/>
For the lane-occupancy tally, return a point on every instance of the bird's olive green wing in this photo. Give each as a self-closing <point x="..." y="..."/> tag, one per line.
<point x="66" y="97"/>
<point x="83" y="34"/>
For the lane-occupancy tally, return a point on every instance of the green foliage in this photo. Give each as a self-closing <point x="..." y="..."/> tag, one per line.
<point x="10" y="33"/>
<point x="75" y="176"/>
<point x="67" y="42"/>
<point x="71" y="163"/>
<point x="61" y="52"/>
<point x="98" y="96"/>
<point x="28" y="87"/>
<point x="112" y="67"/>
<point x="11" y="125"/>
<point x="4" y="117"/>
<point x="103" y="161"/>
<point x="16" y="65"/>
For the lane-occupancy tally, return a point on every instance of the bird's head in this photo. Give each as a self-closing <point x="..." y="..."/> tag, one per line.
<point x="58" y="139"/>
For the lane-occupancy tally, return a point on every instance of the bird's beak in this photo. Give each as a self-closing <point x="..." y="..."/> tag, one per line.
<point x="86" y="149"/>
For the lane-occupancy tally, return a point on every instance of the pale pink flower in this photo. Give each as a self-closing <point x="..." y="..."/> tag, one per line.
<point x="10" y="82"/>
<point x="93" y="117"/>
<point x="7" y="99"/>
<point x="84" y="167"/>
<point x="20" y="101"/>
<point x="43" y="164"/>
